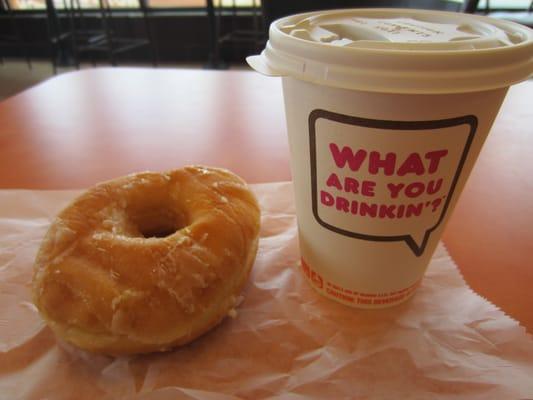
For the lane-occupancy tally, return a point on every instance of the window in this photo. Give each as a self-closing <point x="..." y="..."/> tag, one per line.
<point x="504" y="4"/>
<point x="202" y="3"/>
<point x="40" y="4"/>
<point x="60" y="4"/>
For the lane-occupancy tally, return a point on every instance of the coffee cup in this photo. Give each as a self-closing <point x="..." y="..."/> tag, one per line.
<point x="387" y="111"/>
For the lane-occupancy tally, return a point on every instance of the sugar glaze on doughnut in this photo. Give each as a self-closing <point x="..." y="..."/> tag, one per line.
<point x="148" y="261"/>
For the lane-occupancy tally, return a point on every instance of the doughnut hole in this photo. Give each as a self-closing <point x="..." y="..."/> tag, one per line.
<point x="158" y="221"/>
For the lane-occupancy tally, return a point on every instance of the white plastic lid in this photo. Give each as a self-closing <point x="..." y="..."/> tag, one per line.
<point x="398" y="50"/>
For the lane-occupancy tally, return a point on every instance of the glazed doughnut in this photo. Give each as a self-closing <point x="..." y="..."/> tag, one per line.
<point x="148" y="261"/>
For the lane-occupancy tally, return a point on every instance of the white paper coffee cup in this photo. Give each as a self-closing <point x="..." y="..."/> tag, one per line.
<point x="387" y="111"/>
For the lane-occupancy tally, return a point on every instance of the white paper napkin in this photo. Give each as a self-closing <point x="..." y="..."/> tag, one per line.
<point x="286" y="342"/>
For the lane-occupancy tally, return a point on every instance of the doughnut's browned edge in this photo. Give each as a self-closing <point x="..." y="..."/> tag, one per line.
<point x="228" y="294"/>
<point x="121" y="345"/>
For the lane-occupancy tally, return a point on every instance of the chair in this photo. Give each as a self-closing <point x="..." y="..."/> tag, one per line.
<point x="12" y="38"/>
<point x="95" y="33"/>
<point x="271" y="10"/>
<point x="253" y="37"/>
<point x="274" y="9"/>
<point x="60" y="41"/>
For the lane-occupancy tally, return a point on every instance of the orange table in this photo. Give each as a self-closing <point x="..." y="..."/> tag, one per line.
<point x="79" y="128"/>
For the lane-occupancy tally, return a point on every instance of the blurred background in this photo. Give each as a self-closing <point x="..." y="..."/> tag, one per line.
<point x="40" y="38"/>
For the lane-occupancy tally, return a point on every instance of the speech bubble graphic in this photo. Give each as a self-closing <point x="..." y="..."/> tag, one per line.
<point x="383" y="180"/>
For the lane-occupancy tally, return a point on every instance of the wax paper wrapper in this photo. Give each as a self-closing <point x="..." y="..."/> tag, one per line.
<point x="286" y="342"/>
